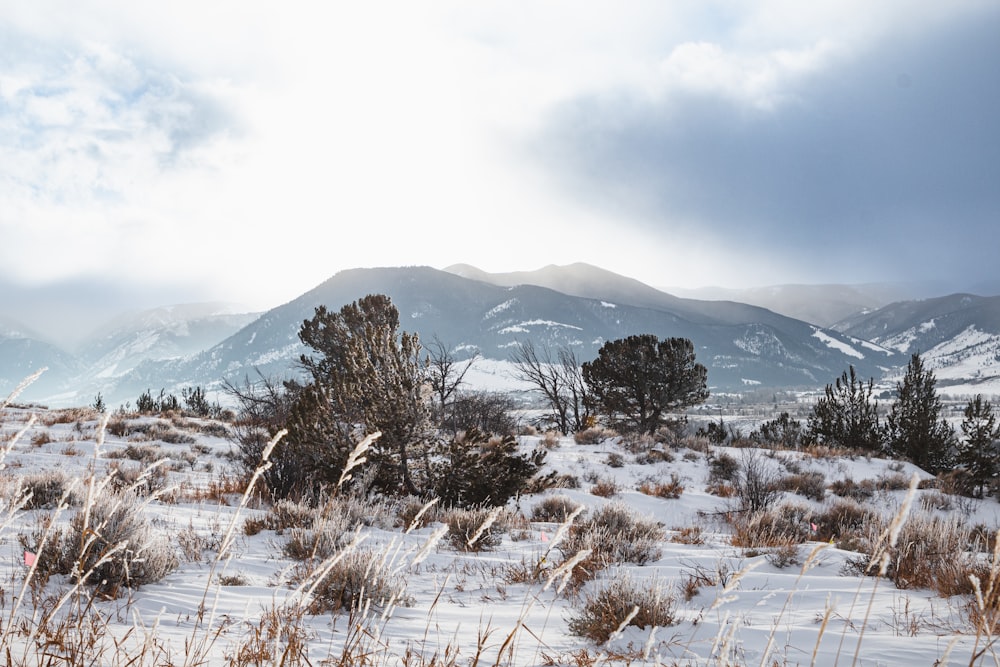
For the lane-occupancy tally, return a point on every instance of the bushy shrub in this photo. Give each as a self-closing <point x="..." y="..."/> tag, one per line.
<point x="45" y="490"/>
<point x="594" y="435"/>
<point x="622" y="600"/>
<point x="613" y="534"/>
<point x="671" y="489"/>
<point x="359" y="578"/>
<point x="807" y="484"/>
<point x="112" y="544"/>
<point x="472" y="470"/>
<point x="723" y="468"/>
<point x="554" y="508"/>
<point x="473" y="529"/>
<point x="848" y="488"/>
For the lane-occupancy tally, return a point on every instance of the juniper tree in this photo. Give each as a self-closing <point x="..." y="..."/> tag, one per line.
<point x="639" y="379"/>
<point x="373" y="379"/>
<point x="978" y="453"/>
<point x="914" y="427"/>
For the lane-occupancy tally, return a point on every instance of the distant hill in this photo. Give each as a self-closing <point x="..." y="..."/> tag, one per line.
<point x="958" y="337"/>
<point x="23" y="352"/>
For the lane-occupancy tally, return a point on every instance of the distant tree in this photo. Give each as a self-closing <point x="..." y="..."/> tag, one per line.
<point x="782" y="431"/>
<point x="445" y="375"/>
<point x="914" y="427"/>
<point x="196" y="402"/>
<point x="560" y="381"/>
<point x="638" y="380"/>
<point x="846" y="416"/>
<point x="98" y="404"/>
<point x="484" y="411"/>
<point x="978" y="452"/>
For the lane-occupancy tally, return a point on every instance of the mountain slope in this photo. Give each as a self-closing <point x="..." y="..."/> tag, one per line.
<point x="740" y="345"/>
<point x="957" y="335"/>
<point x="23" y="352"/>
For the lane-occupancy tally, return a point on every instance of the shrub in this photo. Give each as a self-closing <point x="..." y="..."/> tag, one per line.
<point x="605" y="488"/>
<point x="615" y="534"/>
<point x="848" y="488"/>
<point x="723" y="468"/>
<point x="688" y="535"/>
<point x="473" y="470"/>
<point x="359" y="578"/>
<point x="594" y="435"/>
<point x="473" y="529"/>
<point x="554" y="508"/>
<point x="755" y="484"/>
<point x="615" y="460"/>
<point x="145" y="481"/>
<point x="623" y="601"/>
<point x="786" y="525"/>
<point x="808" y="484"/>
<point x="670" y="490"/>
<point x="47" y="489"/>
<point x="113" y="544"/>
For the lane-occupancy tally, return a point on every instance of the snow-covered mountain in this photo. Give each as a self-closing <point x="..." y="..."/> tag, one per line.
<point x="580" y="306"/>
<point x="23" y="352"/>
<point x="742" y="346"/>
<point x="958" y="337"/>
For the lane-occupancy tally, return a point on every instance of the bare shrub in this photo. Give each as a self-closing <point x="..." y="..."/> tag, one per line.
<point x="897" y="481"/>
<point x="113" y="544"/>
<point x="145" y="454"/>
<point x="321" y="540"/>
<point x="807" y="484"/>
<point x="848" y="488"/>
<point x="473" y="529"/>
<point x="605" y="488"/>
<point x="550" y="440"/>
<point x="356" y="580"/>
<point x="669" y="490"/>
<point x="594" y="435"/>
<point x="624" y="602"/>
<point x="45" y="490"/>
<point x="786" y="525"/>
<point x="688" y="535"/>
<point x="614" y="460"/>
<point x="784" y="556"/>
<point x="146" y="481"/>
<point x="845" y="521"/>
<point x="554" y="508"/>
<point x="612" y="534"/>
<point x="756" y="487"/>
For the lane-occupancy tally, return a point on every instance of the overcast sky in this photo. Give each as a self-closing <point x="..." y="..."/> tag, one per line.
<point x="247" y="151"/>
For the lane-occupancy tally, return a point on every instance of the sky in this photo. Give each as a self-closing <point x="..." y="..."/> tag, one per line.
<point x="156" y="153"/>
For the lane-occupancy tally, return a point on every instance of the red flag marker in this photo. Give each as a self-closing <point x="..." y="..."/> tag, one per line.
<point x="29" y="558"/>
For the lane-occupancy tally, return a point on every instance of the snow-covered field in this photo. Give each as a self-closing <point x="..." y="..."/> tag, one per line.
<point x="232" y="597"/>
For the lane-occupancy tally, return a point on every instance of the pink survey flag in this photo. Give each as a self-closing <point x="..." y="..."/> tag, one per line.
<point x="545" y="537"/>
<point x="813" y="527"/>
<point x="29" y="558"/>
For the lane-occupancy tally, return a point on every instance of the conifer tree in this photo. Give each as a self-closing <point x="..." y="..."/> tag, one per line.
<point x="978" y="452"/>
<point x="640" y="378"/>
<point x="846" y="416"/>
<point x="915" y="429"/>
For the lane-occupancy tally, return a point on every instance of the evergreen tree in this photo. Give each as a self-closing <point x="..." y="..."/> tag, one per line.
<point x="372" y="377"/>
<point x="978" y="452"/>
<point x="915" y="429"/>
<point x="846" y="416"/>
<point x="640" y="378"/>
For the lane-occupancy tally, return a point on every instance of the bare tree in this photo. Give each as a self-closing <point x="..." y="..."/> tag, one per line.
<point x="557" y="379"/>
<point x="445" y="373"/>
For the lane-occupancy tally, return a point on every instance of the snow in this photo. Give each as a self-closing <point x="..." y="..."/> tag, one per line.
<point x="838" y="345"/>
<point x="752" y="612"/>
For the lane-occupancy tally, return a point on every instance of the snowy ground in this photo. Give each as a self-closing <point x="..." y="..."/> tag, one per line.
<point x="463" y="605"/>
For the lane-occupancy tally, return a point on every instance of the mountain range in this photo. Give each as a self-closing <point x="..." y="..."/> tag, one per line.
<point x="744" y="346"/>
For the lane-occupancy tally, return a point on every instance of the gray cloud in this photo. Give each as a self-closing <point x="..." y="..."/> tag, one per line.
<point x="891" y="159"/>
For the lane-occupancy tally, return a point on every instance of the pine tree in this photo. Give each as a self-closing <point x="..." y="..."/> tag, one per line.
<point x="846" y="416"/>
<point x="915" y="429"/>
<point x="978" y="452"/>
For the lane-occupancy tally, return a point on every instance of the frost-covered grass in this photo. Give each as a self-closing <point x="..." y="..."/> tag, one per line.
<point x="564" y="577"/>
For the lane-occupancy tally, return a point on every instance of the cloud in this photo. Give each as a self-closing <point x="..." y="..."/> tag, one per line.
<point x="857" y="161"/>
